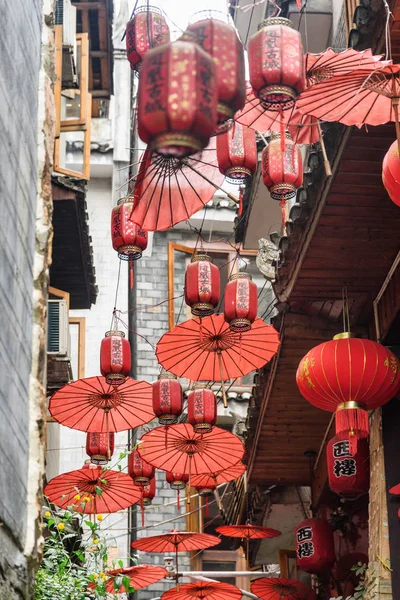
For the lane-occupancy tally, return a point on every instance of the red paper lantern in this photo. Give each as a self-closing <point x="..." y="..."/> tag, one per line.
<point x="177" y="98"/>
<point x="177" y="481"/>
<point x="140" y="471"/>
<point x="349" y="376"/>
<point x="240" y="302"/>
<point x="282" y="167"/>
<point x="391" y="173"/>
<point x="207" y="488"/>
<point x="167" y="399"/>
<point x="276" y="62"/>
<point x="146" y="29"/>
<point x="149" y="491"/>
<point x="127" y="239"/>
<point x="100" y="447"/>
<point x="202" y="409"/>
<point x="221" y="41"/>
<point x="348" y="474"/>
<point x="202" y="285"/>
<point x="237" y="153"/>
<point x="115" y="357"/>
<point x="315" y="548"/>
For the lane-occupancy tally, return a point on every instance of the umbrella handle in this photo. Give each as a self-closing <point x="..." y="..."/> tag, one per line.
<point x="224" y="399"/>
<point x="327" y="164"/>
<point x="108" y="437"/>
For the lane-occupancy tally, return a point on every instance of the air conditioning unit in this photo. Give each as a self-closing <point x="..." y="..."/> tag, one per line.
<point x="58" y="328"/>
<point x="69" y="54"/>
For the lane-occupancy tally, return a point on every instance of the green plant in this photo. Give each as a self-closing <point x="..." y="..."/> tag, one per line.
<point x="359" y="592"/>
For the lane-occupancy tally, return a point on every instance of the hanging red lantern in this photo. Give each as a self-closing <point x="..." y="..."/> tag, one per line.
<point x="202" y="409"/>
<point x="237" y="153"/>
<point x="177" y="481"/>
<point x="149" y="492"/>
<point x="140" y="471"/>
<point x="221" y="41"/>
<point x="276" y="62"/>
<point x="167" y="398"/>
<point x="282" y="167"/>
<point x="348" y="474"/>
<point x="127" y="238"/>
<point x="145" y="30"/>
<point x="202" y="285"/>
<point x="391" y="173"/>
<point x="115" y="357"/>
<point x="240" y="302"/>
<point x="206" y="485"/>
<point x="100" y="447"/>
<point x="349" y="376"/>
<point x="315" y="548"/>
<point x="177" y="98"/>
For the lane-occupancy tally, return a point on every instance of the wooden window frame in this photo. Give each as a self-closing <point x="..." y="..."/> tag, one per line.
<point x="59" y="294"/>
<point x="81" y="322"/>
<point x="284" y="557"/>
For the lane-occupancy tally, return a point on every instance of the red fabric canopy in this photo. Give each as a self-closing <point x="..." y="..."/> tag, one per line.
<point x="176" y="541"/>
<point x="248" y="532"/>
<point x="224" y="476"/>
<point x="204" y="589"/>
<point x="140" y="577"/>
<point x="276" y="588"/>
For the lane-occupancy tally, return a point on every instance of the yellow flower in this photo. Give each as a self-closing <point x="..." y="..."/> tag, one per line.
<point x="103" y="576"/>
<point x="95" y="541"/>
<point x="95" y="576"/>
<point x="99" y="517"/>
<point x="61" y="526"/>
<point x="77" y="497"/>
<point x="86" y="499"/>
<point x="47" y="515"/>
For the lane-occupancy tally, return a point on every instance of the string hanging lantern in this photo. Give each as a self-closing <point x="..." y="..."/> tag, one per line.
<point x="237" y="153"/>
<point x="149" y="492"/>
<point x="127" y="238"/>
<point x="240" y="302"/>
<point x="391" y="173"/>
<point x="177" y="481"/>
<point x="282" y="167"/>
<point x="100" y="447"/>
<point x="140" y="471"/>
<point x="202" y="285"/>
<point x="145" y="30"/>
<point x="167" y="398"/>
<point x="202" y="409"/>
<point x="115" y="357"/>
<point x="315" y="546"/>
<point x="348" y="474"/>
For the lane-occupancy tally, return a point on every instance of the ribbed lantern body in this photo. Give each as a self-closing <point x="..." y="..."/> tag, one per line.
<point x="276" y="62"/>
<point x="140" y="471"/>
<point x="115" y="357"/>
<point x="202" y="285"/>
<point x="177" y="99"/>
<point x="202" y="409"/>
<point x="282" y="167"/>
<point x="127" y="238"/>
<point x="149" y="492"/>
<point x="177" y="481"/>
<point x="315" y="546"/>
<point x="100" y="447"/>
<point x="167" y="399"/>
<point x="348" y="474"/>
<point x="147" y="29"/>
<point x="391" y="173"/>
<point x="237" y="153"/>
<point x="240" y="302"/>
<point x="221" y="41"/>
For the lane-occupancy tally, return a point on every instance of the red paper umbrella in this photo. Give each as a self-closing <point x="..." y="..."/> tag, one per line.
<point x="248" y="532"/>
<point x="92" y="405"/>
<point x="276" y="588"/>
<point x="101" y="490"/>
<point x="219" y="477"/>
<point x="140" y="577"/>
<point x="208" y="350"/>
<point x="212" y="590"/>
<point x="330" y="63"/>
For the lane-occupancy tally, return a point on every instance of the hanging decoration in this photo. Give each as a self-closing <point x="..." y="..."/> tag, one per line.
<point x="278" y="588"/>
<point x="212" y="590"/>
<point x="315" y="546"/>
<point x="177" y="98"/>
<point x="202" y="408"/>
<point x="127" y="238"/>
<point x="202" y="285"/>
<point x="167" y="398"/>
<point x="349" y="376"/>
<point x="140" y="470"/>
<point x="348" y="474"/>
<point x="213" y="480"/>
<point x="237" y="153"/>
<point x="140" y="577"/>
<point x="282" y="167"/>
<point x="177" y="481"/>
<point x="146" y="29"/>
<point x="115" y="357"/>
<point x="100" y="447"/>
<point x="240" y="302"/>
<point x="391" y="173"/>
<point x="149" y="492"/>
<point x="204" y="488"/>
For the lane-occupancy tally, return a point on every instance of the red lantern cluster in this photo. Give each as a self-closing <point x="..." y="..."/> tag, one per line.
<point x="282" y="167"/>
<point x="276" y="61"/>
<point x="348" y="474"/>
<point x="146" y="29"/>
<point x="391" y="173"/>
<point x="237" y="153"/>
<point x="240" y="302"/>
<point x="220" y="40"/>
<point x="177" y="98"/>
<point x="202" y="409"/>
<point x="315" y="548"/>
<point x="167" y="399"/>
<point x="100" y="447"/>
<point x="202" y="285"/>
<point x="115" y="357"/>
<point x="127" y="239"/>
<point x="140" y="471"/>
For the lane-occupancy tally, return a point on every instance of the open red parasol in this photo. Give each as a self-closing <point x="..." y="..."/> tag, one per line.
<point x="248" y="532"/>
<point x="276" y="588"/>
<point x="101" y="490"/>
<point x="91" y="404"/>
<point x="212" y="590"/>
<point x="208" y="350"/>
<point x="140" y="577"/>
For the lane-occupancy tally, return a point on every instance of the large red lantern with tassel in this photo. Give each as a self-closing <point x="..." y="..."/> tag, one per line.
<point x="237" y="153"/>
<point x="115" y="357"/>
<point x="100" y="447"/>
<point x="349" y="376"/>
<point x="240" y="302"/>
<point x="348" y="474"/>
<point x="221" y="41"/>
<point x="202" y="285"/>
<point x="177" y="98"/>
<point x="391" y="173"/>
<point x="202" y="409"/>
<point x="167" y="399"/>
<point x="127" y="238"/>
<point x="145" y="30"/>
<point x="177" y="481"/>
<point x="276" y="61"/>
<point x="140" y="471"/>
<point x="282" y="167"/>
<point x="315" y="548"/>
<point x="149" y="492"/>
